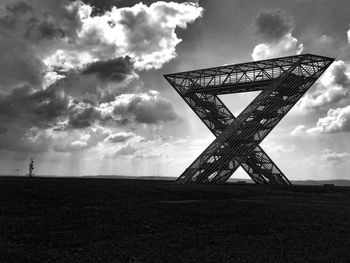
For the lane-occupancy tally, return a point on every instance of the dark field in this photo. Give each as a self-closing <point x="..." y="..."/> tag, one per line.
<point x="108" y="220"/>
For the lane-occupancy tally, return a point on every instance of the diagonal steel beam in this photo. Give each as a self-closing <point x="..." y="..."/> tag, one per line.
<point x="218" y="111"/>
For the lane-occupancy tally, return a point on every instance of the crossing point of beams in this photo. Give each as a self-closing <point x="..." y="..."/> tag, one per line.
<point x="282" y="82"/>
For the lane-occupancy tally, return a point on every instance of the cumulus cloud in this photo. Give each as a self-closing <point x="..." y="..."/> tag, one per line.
<point x="275" y="28"/>
<point x="68" y="70"/>
<point x="44" y="108"/>
<point x="331" y="94"/>
<point x="333" y="88"/>
<point x="337" y="120"/>
<point x="57" y="36"/>
<point x="286" y="46"/>
<point x="133" y="108"/>
<point x="144" y="33"/>
<point x="51" y="108"/>
<point x="29" y="32"/>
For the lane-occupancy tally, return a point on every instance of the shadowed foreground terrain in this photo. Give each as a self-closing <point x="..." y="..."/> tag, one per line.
<point x="109" y="220"/>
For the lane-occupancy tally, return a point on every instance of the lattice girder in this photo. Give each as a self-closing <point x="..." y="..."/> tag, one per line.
<point x="283" y="81"/>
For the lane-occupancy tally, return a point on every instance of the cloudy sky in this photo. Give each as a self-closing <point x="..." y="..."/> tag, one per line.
<point x="82" y="91"/>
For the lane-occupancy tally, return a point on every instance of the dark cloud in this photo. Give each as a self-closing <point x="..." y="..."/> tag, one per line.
<point x="82" y="87"/>
<point x="21" y="17"/>
<point x="82" y="115"/>
<point x="136" y="108"/>
<point x="28" y="107"/>
<point x="29" y="31"/>
<point x="26" y="141"/>
<point x="26" y="113"/>
<point x="82" y="119"/>
<point x="153" y="112"/>
<point x="101" y="81"/>
<point x="18" y="65"/>
<point x="3" y="130"/>
<point x="114" y="70"/>
<point x="41" y="20"/>
<point x="272" y="25"/>
<point x="36" y="30"/>
<point x="340" y="76"/>
<point x="19" y="8"/>
<point x="147" y="109"/>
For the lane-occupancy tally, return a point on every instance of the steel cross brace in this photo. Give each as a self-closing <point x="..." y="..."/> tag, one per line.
<point x="271" y="172"/>
<point x="283" y="81"/>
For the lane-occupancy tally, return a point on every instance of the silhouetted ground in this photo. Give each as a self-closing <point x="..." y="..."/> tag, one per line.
<point x="109" y="220"/>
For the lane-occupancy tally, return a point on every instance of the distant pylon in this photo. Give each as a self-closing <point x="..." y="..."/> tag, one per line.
<point x="31" y="167"/>
<point x="282" y="82"/>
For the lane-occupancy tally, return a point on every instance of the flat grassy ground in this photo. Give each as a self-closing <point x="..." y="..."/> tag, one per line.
<point x="109" y="220"/>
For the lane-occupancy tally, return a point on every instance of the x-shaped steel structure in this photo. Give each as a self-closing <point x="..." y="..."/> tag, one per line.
<point x="282" y="82"/>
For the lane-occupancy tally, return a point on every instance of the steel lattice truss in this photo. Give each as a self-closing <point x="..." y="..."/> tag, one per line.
<point x="282" y="82"/>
